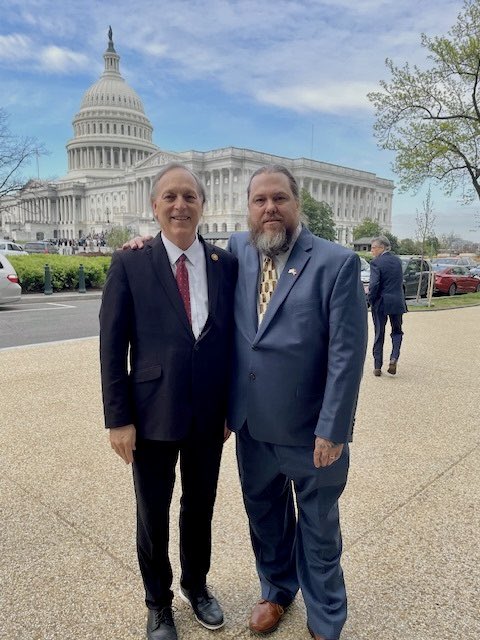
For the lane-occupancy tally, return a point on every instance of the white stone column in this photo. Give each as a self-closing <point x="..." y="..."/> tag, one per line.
<point x="220" y="194"/>
<point x="212" y="191"/>
<point x="231" y="173"/>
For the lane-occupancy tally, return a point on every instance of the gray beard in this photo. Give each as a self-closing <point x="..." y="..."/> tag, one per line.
<point x="271" y="244"/>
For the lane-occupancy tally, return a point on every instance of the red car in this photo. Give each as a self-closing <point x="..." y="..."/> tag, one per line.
<point x="454" y="280"/>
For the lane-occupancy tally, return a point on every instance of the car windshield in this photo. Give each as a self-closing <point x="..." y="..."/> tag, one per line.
<point x="439" y="267"/>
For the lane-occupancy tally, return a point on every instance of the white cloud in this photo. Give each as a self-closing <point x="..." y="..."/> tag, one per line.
<point x="15" y="47"/>
<point x="329" y="98"/>
<point x="60" y="60"/>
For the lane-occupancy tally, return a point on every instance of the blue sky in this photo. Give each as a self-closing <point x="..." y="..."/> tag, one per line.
<point x="287" y="77"/>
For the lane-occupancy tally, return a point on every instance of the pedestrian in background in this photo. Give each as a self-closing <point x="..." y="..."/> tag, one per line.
<point x="387" y="301"/>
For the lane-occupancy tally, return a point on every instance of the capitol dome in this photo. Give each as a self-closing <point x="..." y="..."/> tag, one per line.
<point x="111" y="130"/>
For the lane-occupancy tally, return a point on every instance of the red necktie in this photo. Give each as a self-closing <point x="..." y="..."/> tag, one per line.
<point x="183" y="286"/>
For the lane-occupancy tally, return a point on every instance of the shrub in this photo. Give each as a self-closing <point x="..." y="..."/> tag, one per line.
<point x="64" y="269"/>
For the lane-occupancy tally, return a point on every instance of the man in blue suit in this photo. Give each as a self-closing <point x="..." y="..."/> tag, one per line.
<point x="387" y="300"/>
<point x="299" y="349"/>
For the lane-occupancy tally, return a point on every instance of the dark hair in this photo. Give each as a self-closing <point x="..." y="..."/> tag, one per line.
<point x="277" y="168"/>
<point x="176" y="165"/>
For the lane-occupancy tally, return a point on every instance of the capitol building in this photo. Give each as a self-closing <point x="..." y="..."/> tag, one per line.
<point x="112" y="162"/>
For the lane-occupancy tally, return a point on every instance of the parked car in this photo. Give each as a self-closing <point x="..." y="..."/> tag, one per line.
<point x="41" y="246"/>
<point x="365" y="274"/>
<point x="414" y="272"/>
<point x="465" y="261"/>
<point x="454" y="280"/>
<point x="8" y="247"/>
<point x="475" y="271"/>
<point x="10" y="290"/>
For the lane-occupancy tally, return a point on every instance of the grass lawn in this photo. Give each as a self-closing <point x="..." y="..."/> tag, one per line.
<point x="447" y="302"/>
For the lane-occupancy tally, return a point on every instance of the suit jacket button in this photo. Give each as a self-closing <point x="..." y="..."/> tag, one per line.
<point x="252" y="376"/>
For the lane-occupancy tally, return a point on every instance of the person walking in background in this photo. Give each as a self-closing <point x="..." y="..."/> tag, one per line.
<point x="387" y="300"/>
<point x="299" y="349"/>
<point x="169" y="308"/>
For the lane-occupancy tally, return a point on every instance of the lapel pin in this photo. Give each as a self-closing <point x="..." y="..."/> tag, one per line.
<point x="293" y="272"/>
<point x="214" y="257"/>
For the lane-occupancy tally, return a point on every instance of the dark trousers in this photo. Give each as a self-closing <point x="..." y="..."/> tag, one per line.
<point x="154" y="478"/>
<point x="380" y="321"/>
<point x="291" y="552"/>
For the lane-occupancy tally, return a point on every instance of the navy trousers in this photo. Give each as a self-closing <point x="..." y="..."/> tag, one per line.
<point x="293" y="551"/>
<point x="380" y="321"/>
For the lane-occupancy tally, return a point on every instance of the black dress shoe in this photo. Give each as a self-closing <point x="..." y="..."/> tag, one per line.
<point x="205" y="607"/>
<point x="160" y="625"/>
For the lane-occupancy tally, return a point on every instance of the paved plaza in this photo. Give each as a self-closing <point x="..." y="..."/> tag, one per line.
<point x="410" y="514"/>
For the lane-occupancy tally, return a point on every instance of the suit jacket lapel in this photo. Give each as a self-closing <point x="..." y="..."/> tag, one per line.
<point x="251" y="275"/>
<point x="164" y="274"/>
<point x="296" y="262"/>
<point x="213" y="263"/>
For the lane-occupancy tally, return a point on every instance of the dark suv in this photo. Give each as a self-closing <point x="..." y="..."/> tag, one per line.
<point x="414" y="270"/>
<point x="41" y="246"/>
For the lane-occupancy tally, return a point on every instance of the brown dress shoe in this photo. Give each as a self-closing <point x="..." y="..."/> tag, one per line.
<point x="377" y="372"/>
<point x="265" y="617"/>
<point x="392" y="367"/>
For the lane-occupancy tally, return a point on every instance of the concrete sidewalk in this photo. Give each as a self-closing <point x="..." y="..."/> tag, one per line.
<point x="411" y="514"/>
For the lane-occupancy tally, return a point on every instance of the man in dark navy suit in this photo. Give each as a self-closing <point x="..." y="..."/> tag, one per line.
<point x="168" y="309"/>
<point x="387" y="300"/>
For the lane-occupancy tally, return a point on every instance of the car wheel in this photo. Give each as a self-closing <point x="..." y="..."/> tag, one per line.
<point x="452" y="290"/>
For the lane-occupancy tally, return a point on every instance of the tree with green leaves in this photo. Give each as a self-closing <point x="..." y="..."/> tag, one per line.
<point x="431" y="117"/>
<point x="368" y="228"/>
<point x="394" y="242"/>
<point x="408" y="247"/>
<point x="319" y="216"/>
<point x="117" y="236"/>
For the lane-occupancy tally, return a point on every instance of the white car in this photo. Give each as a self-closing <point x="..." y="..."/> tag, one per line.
<point x="10" y="290"/>
<point x="7" y="247"/>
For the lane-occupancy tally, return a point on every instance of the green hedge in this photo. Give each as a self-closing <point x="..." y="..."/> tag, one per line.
<point x="64" y="269"/>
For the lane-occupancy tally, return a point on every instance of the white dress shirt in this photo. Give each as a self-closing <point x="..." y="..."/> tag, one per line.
<point x="197" y="279"/>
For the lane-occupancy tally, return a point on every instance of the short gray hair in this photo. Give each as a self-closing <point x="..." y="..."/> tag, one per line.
<point x="277" y="168"/>
<point x="383" y="240"/>
<point x="176" y="165"/>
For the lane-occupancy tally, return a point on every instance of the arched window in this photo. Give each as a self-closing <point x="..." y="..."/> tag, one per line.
<point x="238" y="227"/>
<point x="205" y="228"/>
<point x="224" y="227"/>
<point x="215" y="228"/>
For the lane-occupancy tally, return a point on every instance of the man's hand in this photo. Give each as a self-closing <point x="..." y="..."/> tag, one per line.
<point x="326" y="452"/>
<point x="122" y="441"/>
<point x="137" y="242"/>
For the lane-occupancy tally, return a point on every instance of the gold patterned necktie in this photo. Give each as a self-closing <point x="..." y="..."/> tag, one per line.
<point x="268" y="282"/>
